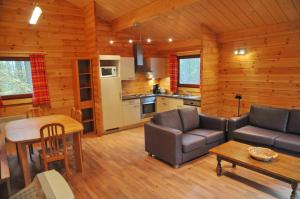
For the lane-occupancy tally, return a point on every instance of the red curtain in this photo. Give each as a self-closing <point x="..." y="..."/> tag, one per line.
<point x="1" y="103"/>
<point x="173" y="72"/>
<point x="39" y="80"/>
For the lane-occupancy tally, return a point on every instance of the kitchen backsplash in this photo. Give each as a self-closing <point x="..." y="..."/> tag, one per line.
<point x="140" y="85"/>
<point x="143" y="85"/>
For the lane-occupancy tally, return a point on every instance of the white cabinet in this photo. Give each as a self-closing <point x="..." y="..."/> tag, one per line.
<point x="158" y="67"/>
<point x="131" y="112"/>
<point x="167" y="104"/>
<point x="127" y="68"/>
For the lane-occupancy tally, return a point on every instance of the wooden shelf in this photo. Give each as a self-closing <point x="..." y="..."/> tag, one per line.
<point x="83" y="90"/>
<point x="86" y="87"/>
<point x="81" y="74"/>
<point x="88" y="120"/>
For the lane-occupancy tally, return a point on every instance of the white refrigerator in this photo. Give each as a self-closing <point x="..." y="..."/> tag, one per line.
<point x="111" y="98"/>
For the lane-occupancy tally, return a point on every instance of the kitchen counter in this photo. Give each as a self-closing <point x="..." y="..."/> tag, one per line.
<point x="139" y="96"/>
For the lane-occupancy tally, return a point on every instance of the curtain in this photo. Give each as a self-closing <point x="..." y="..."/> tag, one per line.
<point x="40" y="94"/>
<point x="1" y="103"/>
<point x="173" y="72"/>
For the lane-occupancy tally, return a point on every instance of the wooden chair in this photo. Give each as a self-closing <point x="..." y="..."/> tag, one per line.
<point x="34" y="112"/>
<point x="77" y="115"/>
<point x="56" y="150"/>
<point x="4" y="169"/>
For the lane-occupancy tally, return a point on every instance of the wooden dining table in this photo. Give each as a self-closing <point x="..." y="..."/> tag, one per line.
<point x="27" y="131"/>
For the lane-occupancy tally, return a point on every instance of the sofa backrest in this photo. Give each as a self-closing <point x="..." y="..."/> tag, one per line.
<point x="170" y="119"/>
<point x="293" y="125"/>
<point x="190" y="118"/>
<point x="269" y="118"/>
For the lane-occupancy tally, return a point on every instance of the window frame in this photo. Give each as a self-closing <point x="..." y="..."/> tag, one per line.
<point x="19" y="96"/>
<point x="188" y="57"/>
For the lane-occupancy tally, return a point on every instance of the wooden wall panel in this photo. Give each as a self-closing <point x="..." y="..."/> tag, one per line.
<point x="59" y="33"/>
<point x="269" y="74"/>
<point x="209" y="80"/>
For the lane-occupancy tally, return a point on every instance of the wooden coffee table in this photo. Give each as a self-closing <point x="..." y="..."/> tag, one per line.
<point x="285" y="168"/>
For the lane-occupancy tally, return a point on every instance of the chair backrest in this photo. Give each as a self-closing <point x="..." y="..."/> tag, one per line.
<point x="73" y="112"/>
<point x="78" y="116"/>
<point x="34" y="112"/>
<point x="37" y="112"/>
<point x="52" y="134"/>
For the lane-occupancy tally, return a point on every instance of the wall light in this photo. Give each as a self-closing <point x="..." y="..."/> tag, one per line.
<point x="111" y="42"/>
<point x="36" y="13"/>
<point x="149" y="40"/>
<point x="130" y="41"/>
<point x="170" y="39"/>
<point x="240" y="51"/>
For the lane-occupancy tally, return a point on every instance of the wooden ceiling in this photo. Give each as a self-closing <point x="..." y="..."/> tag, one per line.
<point x="219" y="15"/>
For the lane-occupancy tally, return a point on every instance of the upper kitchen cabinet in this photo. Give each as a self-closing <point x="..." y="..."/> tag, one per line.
<point x="158" y="67"/>
<point x="127" y="68"/>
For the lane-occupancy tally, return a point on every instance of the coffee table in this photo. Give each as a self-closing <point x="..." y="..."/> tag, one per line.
<point x="285" y="168"/>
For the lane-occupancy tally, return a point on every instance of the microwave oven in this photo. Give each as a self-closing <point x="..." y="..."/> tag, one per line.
<point x="108" y="71"/>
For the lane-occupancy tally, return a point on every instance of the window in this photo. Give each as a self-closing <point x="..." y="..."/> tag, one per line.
<point x="15" y="78"/>
<point x="189" y="71"/>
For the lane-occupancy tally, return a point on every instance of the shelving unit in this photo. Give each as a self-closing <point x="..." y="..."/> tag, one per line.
<point x="83" y="82"/>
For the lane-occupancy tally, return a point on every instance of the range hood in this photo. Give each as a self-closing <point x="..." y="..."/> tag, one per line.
<point x="139" y="59"/>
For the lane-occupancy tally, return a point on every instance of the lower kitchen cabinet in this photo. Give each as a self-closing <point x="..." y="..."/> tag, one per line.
<point x="131" y="111"/>
<point x="166" y="104"/>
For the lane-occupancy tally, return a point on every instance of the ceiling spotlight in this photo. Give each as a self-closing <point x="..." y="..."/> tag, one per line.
<point x="240" y="51"/>
<point x="130" y="41"/>
<point x="170" y="39"/>
<point x="111" y="42"/>
<point x="149" y="40"/>
<point x="36" y="13"/>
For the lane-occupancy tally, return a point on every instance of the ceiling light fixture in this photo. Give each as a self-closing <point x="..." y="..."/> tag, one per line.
<point x="240" y="51"/>
<point x="149" y="40"/>
<point x="111" y="42"/>
<point x="170" y="39"/>
<point x="36" y="13"/>
<point x="130" y="41"/>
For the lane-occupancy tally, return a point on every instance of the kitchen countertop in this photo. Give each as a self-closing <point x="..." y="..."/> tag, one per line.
<point x="139" y="96"/>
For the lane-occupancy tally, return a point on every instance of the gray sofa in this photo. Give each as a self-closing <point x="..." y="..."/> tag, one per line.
<point x="274" y="127"/>
<point x="181" y="135"/>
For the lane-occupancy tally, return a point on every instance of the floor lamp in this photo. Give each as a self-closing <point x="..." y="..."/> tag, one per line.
<point x="238" y="97"/>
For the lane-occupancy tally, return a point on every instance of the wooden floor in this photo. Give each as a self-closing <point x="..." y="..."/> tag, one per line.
<point x="116" y="166"/>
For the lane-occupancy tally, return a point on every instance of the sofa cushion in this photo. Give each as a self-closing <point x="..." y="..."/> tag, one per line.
<point x="269" y="118"/>
<point x="209" y="135"/>
<point x="288" y="142"/>
<point x="294" y="122"/>
<point x="190" y="118"/>
<point x="169" y="119"/>
<point x="256" y="135"/>
<point x="191" y="142"/>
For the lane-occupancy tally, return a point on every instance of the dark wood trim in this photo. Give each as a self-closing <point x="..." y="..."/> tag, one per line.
<point x="188" y="85"/>
<point x="14" y="58"/>
<point x="178" y="76"/>
<point x="21" y="96"/>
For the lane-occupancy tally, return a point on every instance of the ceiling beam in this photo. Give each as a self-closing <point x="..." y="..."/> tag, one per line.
<point x="148" y="12"/>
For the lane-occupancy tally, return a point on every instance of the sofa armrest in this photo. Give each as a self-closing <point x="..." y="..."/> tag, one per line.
<point x="236" y="123"/>
<point x="210" y="122"/>
<point x="163" y="142"/>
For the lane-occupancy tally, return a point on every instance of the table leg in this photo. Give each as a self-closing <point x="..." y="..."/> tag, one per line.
<point x="294" y="191"/>
<point x="24" y="163"/>
<point x="78" y="151"/>
<point x="219" y="167"/>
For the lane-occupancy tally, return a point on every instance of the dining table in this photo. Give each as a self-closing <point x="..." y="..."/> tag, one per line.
<point x="27" y="131"/>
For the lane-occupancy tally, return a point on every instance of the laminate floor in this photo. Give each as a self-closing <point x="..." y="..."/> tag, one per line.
<point x="116" y="166"/>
